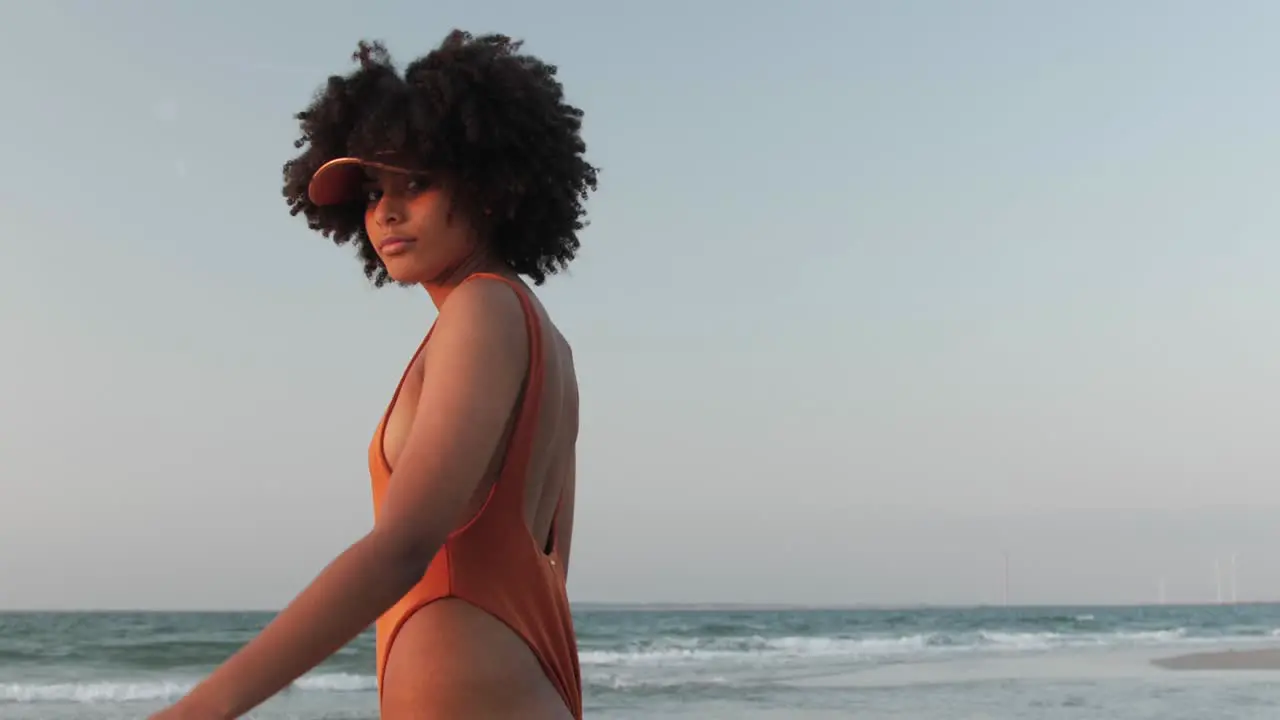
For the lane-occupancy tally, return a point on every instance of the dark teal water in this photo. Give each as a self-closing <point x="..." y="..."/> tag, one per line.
<point x="925" y="663"/>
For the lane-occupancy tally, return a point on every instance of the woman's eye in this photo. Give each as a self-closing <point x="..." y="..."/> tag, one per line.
<point x="373" y="196"/>
<point x="418" y="185"/>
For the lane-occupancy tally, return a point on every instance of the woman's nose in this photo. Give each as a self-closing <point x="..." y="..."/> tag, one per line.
<point x="388" y="212"/>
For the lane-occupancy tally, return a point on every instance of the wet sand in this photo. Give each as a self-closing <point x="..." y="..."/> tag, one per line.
<point x="1263" y="659"/>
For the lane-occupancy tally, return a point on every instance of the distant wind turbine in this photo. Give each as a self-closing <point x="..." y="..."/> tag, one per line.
<point x="1006" y="578"/>
<point x="1233" y="579"/>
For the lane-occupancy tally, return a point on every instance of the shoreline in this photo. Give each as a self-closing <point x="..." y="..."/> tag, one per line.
<point x="1262" y="659"/>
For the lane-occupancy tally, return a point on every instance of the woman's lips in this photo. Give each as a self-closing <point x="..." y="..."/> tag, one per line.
<point x="395" y="245"/>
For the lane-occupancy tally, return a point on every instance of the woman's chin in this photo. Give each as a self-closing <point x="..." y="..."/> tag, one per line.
<point x="405" y="272"/>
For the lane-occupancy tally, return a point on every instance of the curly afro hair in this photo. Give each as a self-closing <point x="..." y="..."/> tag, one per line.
<point x="489" y="120"/>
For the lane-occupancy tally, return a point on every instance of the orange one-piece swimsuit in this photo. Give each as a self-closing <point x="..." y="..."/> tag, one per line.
<point x="493" y="562"/>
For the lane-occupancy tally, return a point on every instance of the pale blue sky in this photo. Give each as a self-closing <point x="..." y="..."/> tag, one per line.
<point x="872" y="290"/>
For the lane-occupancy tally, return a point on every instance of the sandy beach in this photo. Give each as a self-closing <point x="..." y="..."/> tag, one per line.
<point x="1262" y="659"/>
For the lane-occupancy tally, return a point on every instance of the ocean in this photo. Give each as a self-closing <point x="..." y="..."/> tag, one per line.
<point x="744" y="664"/>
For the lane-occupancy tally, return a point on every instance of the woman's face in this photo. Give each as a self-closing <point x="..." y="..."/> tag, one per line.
<point x="407" y="221"/>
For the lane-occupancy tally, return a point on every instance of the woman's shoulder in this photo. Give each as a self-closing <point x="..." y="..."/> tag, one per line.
<point x="493" y="300"/>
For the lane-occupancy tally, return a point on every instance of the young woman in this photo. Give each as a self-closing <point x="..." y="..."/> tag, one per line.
<point x="462" y="175"/>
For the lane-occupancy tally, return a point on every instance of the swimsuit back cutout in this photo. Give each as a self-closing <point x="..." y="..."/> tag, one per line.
<point x="493" y="561"/>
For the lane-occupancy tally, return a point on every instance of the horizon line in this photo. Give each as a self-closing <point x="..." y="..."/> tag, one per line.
<point x="695" y="605"/>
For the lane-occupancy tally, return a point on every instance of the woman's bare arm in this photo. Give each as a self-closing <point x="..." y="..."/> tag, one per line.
<point x="477" y="361"/>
